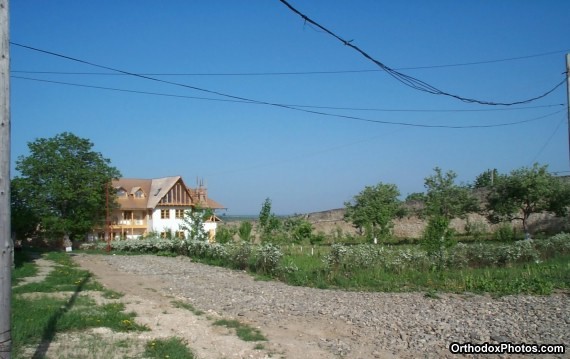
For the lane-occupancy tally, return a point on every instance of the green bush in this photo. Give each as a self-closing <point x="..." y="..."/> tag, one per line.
<point x="504" y="233"/>
<point x="224" y="235"/>
<point x="267" y="258"/>
<point x="244" y="231"/>
<point x="437" y="240"/>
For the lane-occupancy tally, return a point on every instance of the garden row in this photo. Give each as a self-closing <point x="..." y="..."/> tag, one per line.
<point x="538" y="266"/>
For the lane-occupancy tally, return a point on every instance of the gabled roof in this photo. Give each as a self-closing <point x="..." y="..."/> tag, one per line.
<point x="159" y="188"/>
<point x="155" y="190"/>
<point x="131" y="202"/>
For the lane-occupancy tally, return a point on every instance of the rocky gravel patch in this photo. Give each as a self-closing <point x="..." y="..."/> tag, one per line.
<point x="360" y="324"/>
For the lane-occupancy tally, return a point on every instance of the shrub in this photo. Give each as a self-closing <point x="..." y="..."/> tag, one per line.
<point x="267" y="258"/>
<point x="224" y="235"/>
<point x="244" y="231"/>
<point x="504" y="233"/>
<point x="239" y="254"/>
<point x="476" y="229"/>
<point x="437" y="240"/>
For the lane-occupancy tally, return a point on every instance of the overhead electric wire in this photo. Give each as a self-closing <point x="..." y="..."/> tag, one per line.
<point x="293" y="73"/>
<point x="549" y="139"/>
<point x="291" y="105"/>
<point x="275" y="104"/>
<point x="409" y="124"/>
<point x="411" y="81"/>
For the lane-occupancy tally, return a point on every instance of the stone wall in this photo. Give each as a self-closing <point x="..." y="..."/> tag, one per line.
<point x="413" y="226"/>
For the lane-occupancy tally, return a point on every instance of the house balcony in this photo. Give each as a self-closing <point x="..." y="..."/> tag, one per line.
<point x="130" y="223"/>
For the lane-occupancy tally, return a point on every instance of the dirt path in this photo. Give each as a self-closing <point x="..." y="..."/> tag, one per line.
<point x="146" y="295"/>
<point x="304" y="322"/>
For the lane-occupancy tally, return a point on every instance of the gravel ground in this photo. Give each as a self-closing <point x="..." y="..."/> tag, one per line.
<point x="361" y="324"/>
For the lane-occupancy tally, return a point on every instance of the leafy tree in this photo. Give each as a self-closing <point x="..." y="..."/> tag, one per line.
<point x="298" y="229"/>
<point x="375" y="207"/>
<point x="446" y="199"/>
<point x="63" y="183"/>
<point x="437" y="239"/>
<point x="526" y="191"/>
<point x="416" y="196"/>
<point x="24" y="220"/>
<point x="486" y="179"/>
<point x="193" y="223"/>
<point x="268" y="222"/>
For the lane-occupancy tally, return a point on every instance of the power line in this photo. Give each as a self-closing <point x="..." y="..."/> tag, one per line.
<point x="549" y="139"/>
<point x="295" y="73"/>
<point x="411" y="81"/>
<point x="356" y="118"/>
<point x="290" y="105"/>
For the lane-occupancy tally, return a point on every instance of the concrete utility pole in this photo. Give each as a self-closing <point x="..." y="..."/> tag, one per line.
<point x="6" y="246"/>
<point x="568" y="98"/>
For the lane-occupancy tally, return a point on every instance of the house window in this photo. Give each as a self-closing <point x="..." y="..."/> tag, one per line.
<point x="127" y="214"/>
<point x="180" y="234"/>
<point x="121" y="192"/>
<point x="139" y="194"/>
<point x="164" y="213"/>
<point x="179" y="213"/>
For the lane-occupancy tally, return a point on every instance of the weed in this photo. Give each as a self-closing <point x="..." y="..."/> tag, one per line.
<point x="244" y="332"/>
<point x="188" y="306"/>
<point x="173" y="348"/>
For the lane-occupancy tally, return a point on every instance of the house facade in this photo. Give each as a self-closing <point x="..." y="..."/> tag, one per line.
<point x="156" y="205"/>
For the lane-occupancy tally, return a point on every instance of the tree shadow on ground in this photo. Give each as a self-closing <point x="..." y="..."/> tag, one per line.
<point x="50" y="329"/>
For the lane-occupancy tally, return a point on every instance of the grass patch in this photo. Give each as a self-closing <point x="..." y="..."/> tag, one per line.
<point x="174" y="348"/>
<point x="245" y="332"/>
<point x="188" y="306"/>
<point x="24" y="266"/>
<point x="39" y="317"/>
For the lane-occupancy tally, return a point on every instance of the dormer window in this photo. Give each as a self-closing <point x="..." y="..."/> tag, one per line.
<point x="121" y="192"/>
<point x="139" y="194"/>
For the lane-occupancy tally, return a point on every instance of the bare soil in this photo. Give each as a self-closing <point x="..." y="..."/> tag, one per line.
<point x="299" y="322"/>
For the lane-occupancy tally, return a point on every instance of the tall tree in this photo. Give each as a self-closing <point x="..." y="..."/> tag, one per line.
<point x="63" y="183"/>
<point x="268" y="222"/>
<point x="445" y="198"/>
<point x="375" y="208"/>
<point x="526" y="191"/>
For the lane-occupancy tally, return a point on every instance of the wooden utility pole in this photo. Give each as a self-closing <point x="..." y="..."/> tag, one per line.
<point x="6" y="246"/>
<point x="568" y="98"/>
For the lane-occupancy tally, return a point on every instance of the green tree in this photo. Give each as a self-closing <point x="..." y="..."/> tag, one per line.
<point x="298" y="229"/>
<point x="193" y="223"/>
<point x="375" y="208"/>
<point x="486" y="179"/>
<point x="268" y="222"/>
<point x="63" y="183"/>
<point x="444" y="198"/>
<point x="526" y="191"/>
<point x="416" y="197"/>
<point x="24" y="220"/>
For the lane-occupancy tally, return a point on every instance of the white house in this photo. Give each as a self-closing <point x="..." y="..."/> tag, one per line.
<point x="156" y="205"/>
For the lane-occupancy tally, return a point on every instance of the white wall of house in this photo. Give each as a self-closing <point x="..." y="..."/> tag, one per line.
<point x="165" y="224"/>
<point x="172" y="223"/>
<point x="210" y="226"/>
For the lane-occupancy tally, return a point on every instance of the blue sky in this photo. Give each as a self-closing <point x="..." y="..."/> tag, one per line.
<point x="304" y="162"/>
